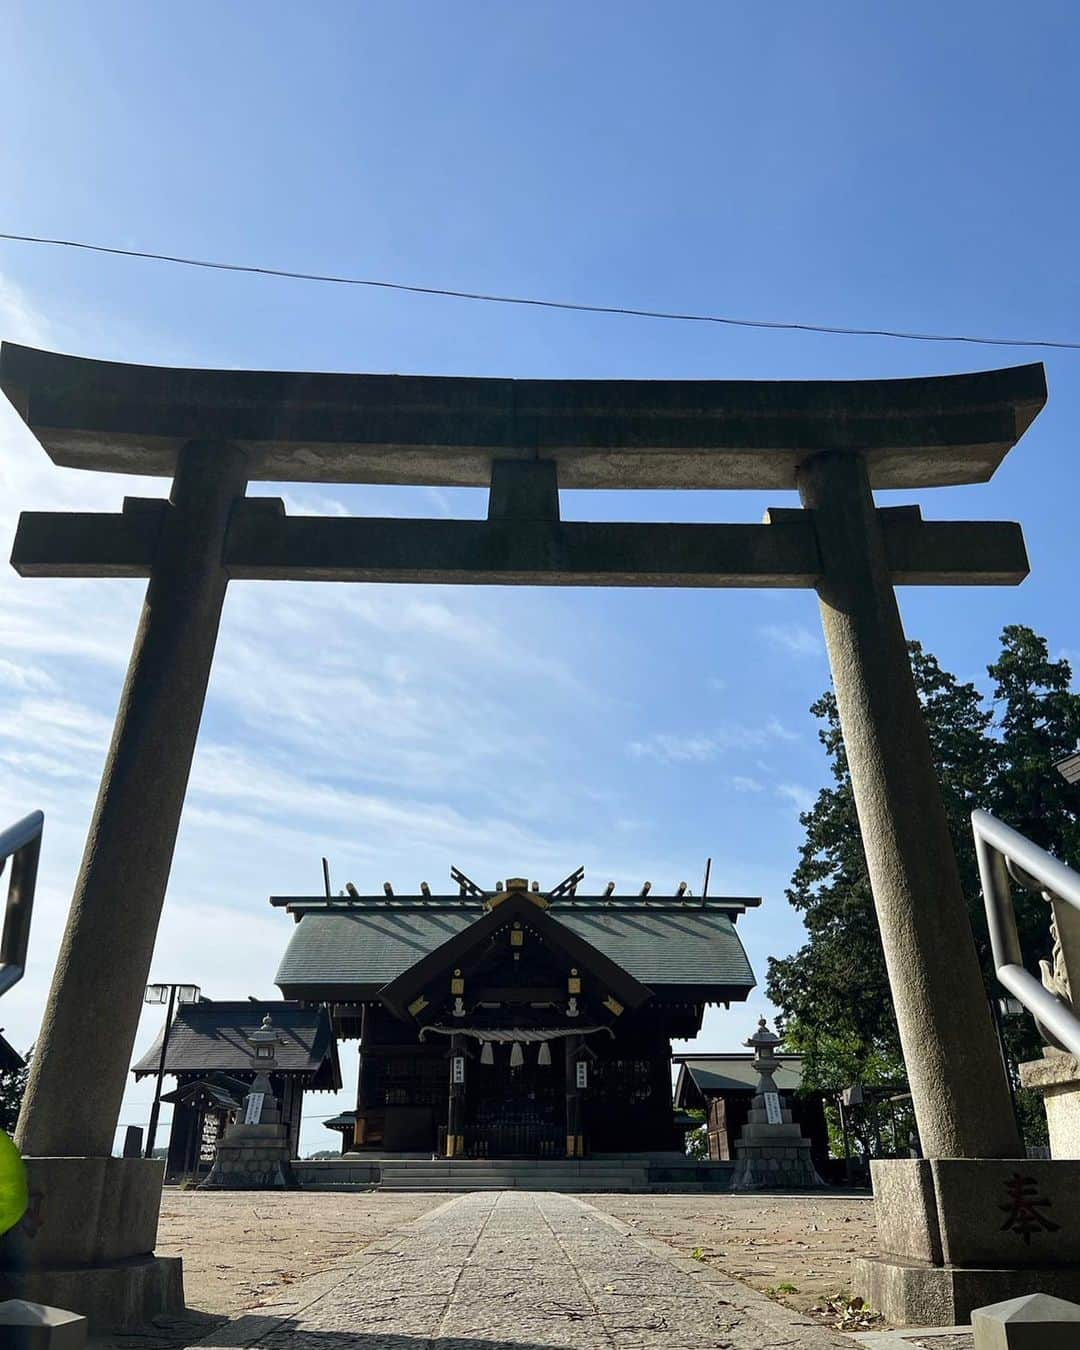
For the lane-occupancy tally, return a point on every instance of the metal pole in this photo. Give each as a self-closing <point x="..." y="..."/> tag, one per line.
<point x="22" y="844"/>
<point x="151" y="1129"/>
<point x="995" y="1013"/>
<point x="847" y="1141"/>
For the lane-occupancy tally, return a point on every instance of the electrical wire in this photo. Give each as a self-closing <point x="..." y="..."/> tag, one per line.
<point x="574" y="306"/>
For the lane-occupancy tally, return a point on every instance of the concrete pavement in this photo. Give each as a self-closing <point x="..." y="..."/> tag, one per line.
<point x="518" y="1270"/>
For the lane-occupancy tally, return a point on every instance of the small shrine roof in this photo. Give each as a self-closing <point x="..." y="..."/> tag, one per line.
<point x="721" y="1073"/>
<point x="211" y="1036"/>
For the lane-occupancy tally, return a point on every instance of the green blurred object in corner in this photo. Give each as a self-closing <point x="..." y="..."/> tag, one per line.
<point x="13" y="1193"/>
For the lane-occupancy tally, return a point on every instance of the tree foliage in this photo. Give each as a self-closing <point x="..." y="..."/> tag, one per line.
<point x="697" y="1139"/>
<point x="833" y="993"/>
<point x="12" y="1087"/>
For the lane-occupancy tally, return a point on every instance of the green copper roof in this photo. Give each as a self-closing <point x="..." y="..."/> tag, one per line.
<point x="369" y="944"/>
<point x="735" y="1073"/>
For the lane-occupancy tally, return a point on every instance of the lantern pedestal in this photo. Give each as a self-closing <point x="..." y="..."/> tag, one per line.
<point x="252" y="1157"/>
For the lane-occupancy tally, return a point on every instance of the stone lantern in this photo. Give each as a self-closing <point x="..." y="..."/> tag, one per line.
<point x="766" y="1061"/>
<point x="771" y="1152"/>
<point x="254" y="1153"/>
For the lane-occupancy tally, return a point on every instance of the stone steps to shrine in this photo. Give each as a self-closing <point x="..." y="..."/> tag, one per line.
<point x="514" y="1174"/>
<point x="660" y="1173"/>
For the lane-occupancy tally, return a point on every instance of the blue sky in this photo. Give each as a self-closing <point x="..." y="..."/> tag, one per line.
<point x="909" y="166"/>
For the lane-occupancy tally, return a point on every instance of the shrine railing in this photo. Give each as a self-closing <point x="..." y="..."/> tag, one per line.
<point x="516" y="1140"/>
<point x="21" y="843"/>
<point x="1005" y="855"/>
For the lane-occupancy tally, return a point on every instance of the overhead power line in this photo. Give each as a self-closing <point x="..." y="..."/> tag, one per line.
<point x="571" y="305"/>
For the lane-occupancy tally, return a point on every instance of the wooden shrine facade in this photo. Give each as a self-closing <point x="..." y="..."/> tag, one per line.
<point x="210" y="1054"/>
<point x="514" y="1023"/>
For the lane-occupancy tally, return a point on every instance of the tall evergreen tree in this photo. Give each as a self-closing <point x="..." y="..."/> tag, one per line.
<point x="833" y="992"/>
<point x="1038" y="722"/>
<point x="12" y="1087"/>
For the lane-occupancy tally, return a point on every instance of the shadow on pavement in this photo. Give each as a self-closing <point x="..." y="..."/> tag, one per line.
<point x="256" y="1330"/>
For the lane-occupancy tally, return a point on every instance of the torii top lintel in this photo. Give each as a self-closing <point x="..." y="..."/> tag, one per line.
<point x="446" y="431"/>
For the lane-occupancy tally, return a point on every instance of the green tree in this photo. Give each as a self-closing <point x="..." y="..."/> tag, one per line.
<point x="834" y="992"/>
<point x="697" y="1139"/>
<point x="14" y="1195"/>
<point x="12" y="1087"/>
<point x="1038" y="722"/>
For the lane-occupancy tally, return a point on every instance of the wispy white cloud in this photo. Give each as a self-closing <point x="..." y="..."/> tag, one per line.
<point x="743" y="784"/>
<point x="672" y="749"/>
<point x="793" y="638"/>
<point x="803" y="797"/>
<point x="24" y="676"/>
<point x="775" y="730"/>
<point x="697" y="747"/>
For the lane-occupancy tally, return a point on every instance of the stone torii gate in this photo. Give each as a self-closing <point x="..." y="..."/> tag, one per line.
<point x="213" y="431"/>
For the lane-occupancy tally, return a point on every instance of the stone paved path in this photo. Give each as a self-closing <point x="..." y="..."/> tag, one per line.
<point x="522" y="1270"/>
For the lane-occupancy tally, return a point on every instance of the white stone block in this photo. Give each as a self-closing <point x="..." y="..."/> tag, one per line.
<point x="1035" y="1322"/>
<point x="33" y="1326"/>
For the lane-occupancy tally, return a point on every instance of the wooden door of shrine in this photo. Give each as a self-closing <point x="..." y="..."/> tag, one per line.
<point x="518" y="1111"/>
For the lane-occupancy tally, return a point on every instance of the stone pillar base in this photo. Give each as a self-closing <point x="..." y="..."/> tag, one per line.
<point x="86" y="1242"/>
<point x="959" y="1233"/>
<point x="118" y="1296"/>
<point x="910" y="1294"/>
<point x="1057" y="1078"/>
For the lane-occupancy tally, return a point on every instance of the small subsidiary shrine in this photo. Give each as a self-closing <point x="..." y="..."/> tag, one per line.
<point x="723" y="1086"/>
<point x="514" y="1023"/>
<point x="210" y="1053"/>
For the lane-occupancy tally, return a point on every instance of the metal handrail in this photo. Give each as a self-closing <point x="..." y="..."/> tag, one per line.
<point x="21" y="843"/>
<point x="1005" y="855"/>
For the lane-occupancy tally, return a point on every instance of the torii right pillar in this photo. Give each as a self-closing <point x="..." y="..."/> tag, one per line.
<point x="958" y="1087"/>
<point x="939" y="1254"/>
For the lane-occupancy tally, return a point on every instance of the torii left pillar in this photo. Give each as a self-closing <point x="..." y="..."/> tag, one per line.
<point x="95" y="1210"/>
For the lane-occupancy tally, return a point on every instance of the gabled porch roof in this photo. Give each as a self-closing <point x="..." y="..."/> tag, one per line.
<point x="399" y="992"/>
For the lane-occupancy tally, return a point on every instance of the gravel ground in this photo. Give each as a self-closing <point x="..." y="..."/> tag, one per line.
<point x="797" y="1248"/>
<point x="241" y="1248"/>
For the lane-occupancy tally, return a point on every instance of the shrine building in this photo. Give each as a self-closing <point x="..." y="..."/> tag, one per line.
<point x="513" y="1022"/>
<point x="210" y="1053"/>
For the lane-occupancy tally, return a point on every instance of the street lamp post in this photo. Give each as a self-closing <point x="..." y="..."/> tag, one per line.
<point x="171" y="994"/>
